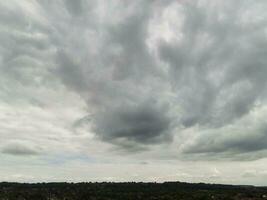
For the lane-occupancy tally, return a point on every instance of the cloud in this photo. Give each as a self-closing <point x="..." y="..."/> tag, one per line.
<point x="120" y="81"/>
<point x="249" y="174"/>
<point x="74" y="7"/>
<point x="20" y="149"/>
<point x="217" y="65"/>
<point x="247" y="136"/>
<point x="145" y="124"/>
<point x="142" y="74"/>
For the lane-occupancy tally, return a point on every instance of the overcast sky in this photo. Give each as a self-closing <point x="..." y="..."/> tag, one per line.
<point x="143" y="90"/>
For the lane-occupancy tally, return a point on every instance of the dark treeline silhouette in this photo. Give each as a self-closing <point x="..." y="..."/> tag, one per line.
<point x="129" y="190"/>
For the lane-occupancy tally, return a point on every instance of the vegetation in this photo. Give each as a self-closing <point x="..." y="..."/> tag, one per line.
<point x="129" y="191"/>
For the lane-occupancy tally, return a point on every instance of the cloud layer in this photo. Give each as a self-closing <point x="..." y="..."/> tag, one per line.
<point x="152" y="79"/>
<point x="18" y="149"/>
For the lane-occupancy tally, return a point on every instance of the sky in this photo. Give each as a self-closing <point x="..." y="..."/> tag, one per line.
<point x="144" y="90"/>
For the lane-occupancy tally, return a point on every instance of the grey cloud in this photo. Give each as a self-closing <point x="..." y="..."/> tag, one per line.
<point x="217" y="68"/>
<point x="25" y="45"/>
<point x="69" y="72"/>
<point x="249" y="174"/>
<point x="215" y="72"/>
<point x="242" y="141"/>
<point x="145" y="124"/>
<point x="20" y="149"/>
<point x="219" y="144"/>
<point x="133" y="59"/>
<point x="117" y="80"/>
<point x="74" y="7"/>
<point x="211" y="77"/>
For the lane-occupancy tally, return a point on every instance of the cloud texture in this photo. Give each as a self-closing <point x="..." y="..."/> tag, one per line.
<point x="178" y="79"/>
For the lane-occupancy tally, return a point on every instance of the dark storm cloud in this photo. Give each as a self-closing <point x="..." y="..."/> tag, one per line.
<point x="143" y="124"/>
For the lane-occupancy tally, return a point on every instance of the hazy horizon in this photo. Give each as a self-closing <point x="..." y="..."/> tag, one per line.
<point x="144" y="91"/>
